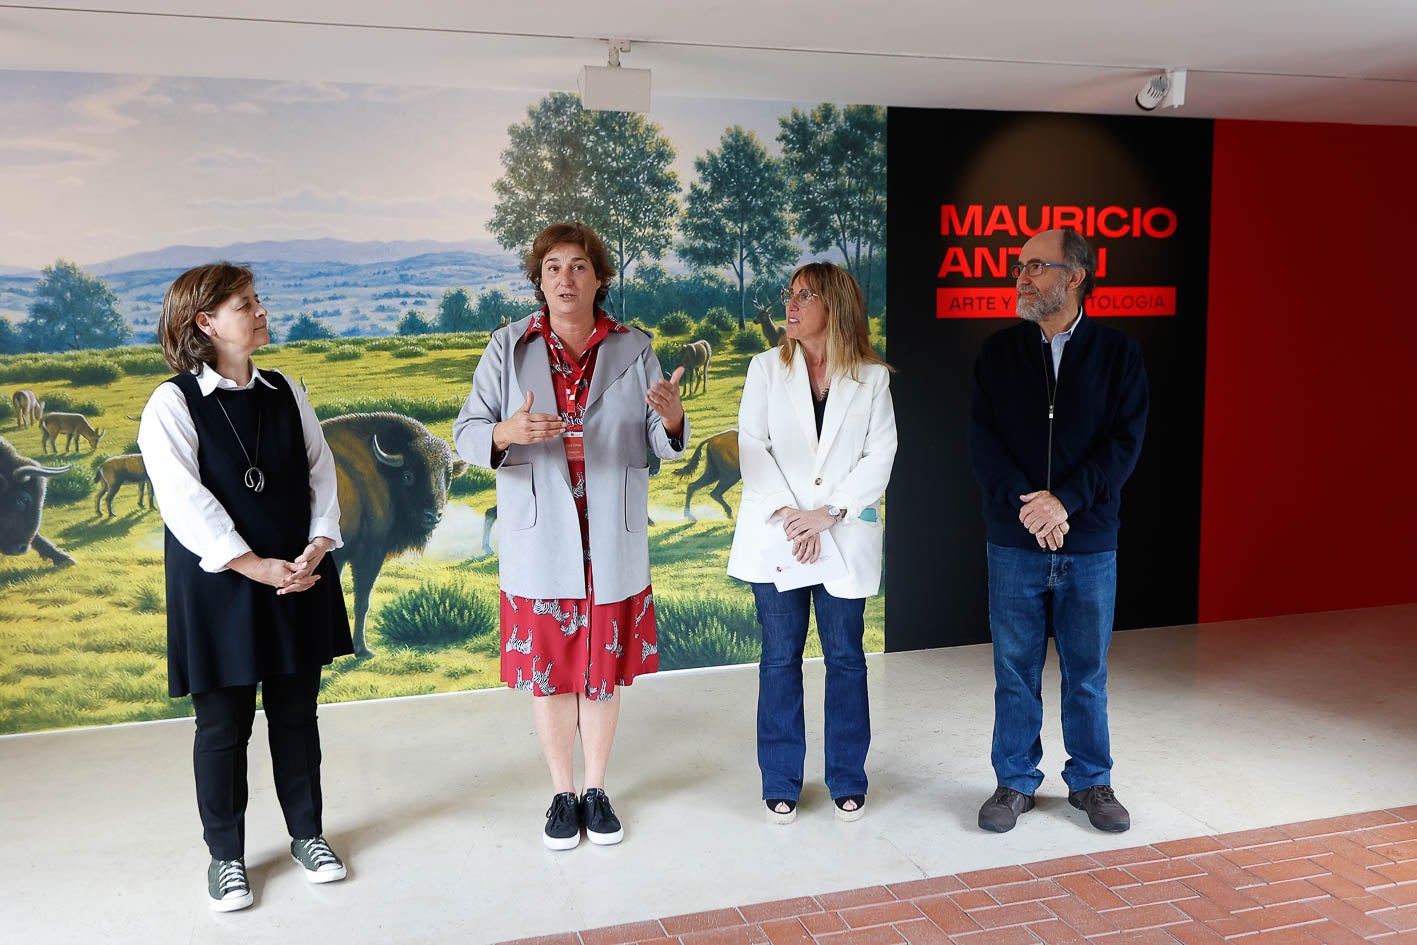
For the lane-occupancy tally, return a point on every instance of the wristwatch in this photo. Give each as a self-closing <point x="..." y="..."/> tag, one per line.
<point x="836" y="512"/>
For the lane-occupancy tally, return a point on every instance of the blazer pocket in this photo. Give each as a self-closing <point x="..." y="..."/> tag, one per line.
<point x="637" y="498"/>
<point x="516" y="497"/>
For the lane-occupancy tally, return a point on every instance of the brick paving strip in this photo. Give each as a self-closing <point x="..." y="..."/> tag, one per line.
<point x="1334" y="881"/>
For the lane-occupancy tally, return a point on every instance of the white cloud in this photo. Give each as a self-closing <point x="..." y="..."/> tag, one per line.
<point x="71" y="182"/>
<point x="294" y="93"/>
<point x="105" y="110"/>
<point x="47" y="153"/>
<point x="246" y="108"/>
<point x="396" y="94"/>
<point x="223" y="159"/>
<point x="309" y="200"/>
<point x="205" y="108"/>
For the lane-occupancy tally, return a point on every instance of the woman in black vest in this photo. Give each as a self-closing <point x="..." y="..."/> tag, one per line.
<point x="247" y="490"/>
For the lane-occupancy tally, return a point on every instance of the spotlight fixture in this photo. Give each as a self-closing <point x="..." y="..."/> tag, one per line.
<point x="611" y="88"/>
<point x="1168" y="88"/>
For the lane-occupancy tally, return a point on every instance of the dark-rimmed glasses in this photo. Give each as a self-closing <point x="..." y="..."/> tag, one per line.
<point x="1034" y="268"/>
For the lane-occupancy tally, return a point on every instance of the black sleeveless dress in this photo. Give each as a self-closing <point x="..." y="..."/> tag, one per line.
<point x="224" y="629"/>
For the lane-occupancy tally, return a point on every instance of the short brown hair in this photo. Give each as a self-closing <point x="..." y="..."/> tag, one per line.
<point x="580" y="235"/>
<point x="185" y="346"/>
<point x="848" y="337"/>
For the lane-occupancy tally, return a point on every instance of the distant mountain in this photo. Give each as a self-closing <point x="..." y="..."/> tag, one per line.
<point x="295" y="251"/>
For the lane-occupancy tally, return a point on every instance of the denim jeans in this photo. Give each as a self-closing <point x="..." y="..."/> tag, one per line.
<point x="782" y="737"/>
<point x="1074" y="595"/>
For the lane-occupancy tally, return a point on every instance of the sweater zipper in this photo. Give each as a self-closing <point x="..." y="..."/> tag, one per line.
<point x="1052" y="391"/>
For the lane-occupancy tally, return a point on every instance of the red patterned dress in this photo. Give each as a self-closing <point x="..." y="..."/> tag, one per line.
<point x="561" y="645"/>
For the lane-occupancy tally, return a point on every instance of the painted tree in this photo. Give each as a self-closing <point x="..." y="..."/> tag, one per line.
<point x="835" y="163"/>
<point x="493" y="305"/>
<point x="10" y="340"/>
<point x="73" y="310"/>
<point x="306" y="328"/>
<point x="455" y="311"/>
<point x="734" y="215"/>
<point x="629" y="173"/>
<point x="413" y="323"/>
<point x="608" y="170"/>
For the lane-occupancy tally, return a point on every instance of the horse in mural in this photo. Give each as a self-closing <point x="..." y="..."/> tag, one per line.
<point x="694" y="358"/>
<point x="720" y="456"/>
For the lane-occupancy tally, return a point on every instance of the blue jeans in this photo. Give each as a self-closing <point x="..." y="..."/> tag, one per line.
<point x="1074" y="595"/>
<point x="782" y="737"/>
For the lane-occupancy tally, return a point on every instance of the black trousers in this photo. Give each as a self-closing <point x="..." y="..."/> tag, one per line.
<point x="224" y="719"/>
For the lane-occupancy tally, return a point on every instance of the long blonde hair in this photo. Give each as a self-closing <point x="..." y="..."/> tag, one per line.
<point x="848" y="338"/>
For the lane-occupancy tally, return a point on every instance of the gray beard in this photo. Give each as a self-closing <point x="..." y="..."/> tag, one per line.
<point x="1043" y="306"/>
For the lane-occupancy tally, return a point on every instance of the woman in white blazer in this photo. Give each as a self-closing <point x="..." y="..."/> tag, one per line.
<point x="564" y="405"/>
<point x="816" y="437"/>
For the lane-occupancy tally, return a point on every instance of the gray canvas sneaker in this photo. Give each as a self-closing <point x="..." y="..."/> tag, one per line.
<point x="320" y="863"/>
<point x="227" y="886"/>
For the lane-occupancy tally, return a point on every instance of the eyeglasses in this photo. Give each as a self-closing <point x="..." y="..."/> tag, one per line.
<point x="1034" y="268"/>
<point x="801" y="297"/>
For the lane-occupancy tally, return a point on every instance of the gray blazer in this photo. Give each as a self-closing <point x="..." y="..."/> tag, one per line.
<point x="540" y="540"/>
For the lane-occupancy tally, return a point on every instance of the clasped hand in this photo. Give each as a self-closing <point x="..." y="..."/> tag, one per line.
<point x="287" y="577"/>
<point x="1045" y="518"/>
<point x="802" y="528"/>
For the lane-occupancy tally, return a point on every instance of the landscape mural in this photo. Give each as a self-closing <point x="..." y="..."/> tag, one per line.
<point x="385" y="227"/>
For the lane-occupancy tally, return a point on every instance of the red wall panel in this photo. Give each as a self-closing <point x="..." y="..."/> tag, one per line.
<point x="1309" y="495"/>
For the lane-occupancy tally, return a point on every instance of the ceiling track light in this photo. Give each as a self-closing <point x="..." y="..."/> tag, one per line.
<point x="611" y="87"/>
<point x="1168" y="88"/>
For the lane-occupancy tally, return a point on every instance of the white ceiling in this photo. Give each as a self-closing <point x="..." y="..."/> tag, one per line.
<point x="1304" y="60"/>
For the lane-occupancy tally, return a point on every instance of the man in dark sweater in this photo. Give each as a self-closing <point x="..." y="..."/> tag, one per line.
<point x="1056" y="426"/>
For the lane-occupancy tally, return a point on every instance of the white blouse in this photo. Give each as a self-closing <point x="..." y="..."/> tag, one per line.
<point x="168" y="440"/>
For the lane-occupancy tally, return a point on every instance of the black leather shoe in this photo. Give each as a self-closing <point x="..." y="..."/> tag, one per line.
<point x="1103" y="809"/>
<point x="1000" y="812"/>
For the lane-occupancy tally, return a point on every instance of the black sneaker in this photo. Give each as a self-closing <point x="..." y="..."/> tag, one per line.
<point x="563" y="822"/>
<point x="1000" y="812"/>
<point x="601" y="824"/>
<point x="1103" y="809"/>
<point x="320" y="863"/>
<point x="227" y="886"/>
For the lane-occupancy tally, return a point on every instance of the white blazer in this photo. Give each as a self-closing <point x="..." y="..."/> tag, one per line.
<point x="784" y="464"/>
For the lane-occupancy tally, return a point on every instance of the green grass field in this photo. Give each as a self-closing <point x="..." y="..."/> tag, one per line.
<point x="86" y="645"/>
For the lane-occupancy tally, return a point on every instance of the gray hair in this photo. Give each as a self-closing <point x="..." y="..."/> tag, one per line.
<point x="1078" y="254"/>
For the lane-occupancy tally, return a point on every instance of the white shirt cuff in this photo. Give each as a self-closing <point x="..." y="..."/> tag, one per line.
<point x="326" y="528"/>
<point x="225" y="548"/>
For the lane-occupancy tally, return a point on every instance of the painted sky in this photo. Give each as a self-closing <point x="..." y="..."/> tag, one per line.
<point x="100" y="166"/>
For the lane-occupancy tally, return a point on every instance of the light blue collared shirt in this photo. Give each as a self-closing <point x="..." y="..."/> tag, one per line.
<point x="1058" y="342"/>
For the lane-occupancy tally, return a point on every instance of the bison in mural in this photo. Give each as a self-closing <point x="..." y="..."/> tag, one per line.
<point x="720" y="455"/>
<point x="393" y="477"/>
<point x="22" y="483"/>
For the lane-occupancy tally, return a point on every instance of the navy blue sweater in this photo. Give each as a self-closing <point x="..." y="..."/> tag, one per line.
<point x="1099" y="419"/>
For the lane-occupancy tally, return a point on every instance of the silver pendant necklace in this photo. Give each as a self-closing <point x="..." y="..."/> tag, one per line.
<point x="255" y="479"/>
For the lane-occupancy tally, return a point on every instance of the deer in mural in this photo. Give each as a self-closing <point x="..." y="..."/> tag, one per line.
<point x="771" y="330"/>
<point x="694" y="358"/>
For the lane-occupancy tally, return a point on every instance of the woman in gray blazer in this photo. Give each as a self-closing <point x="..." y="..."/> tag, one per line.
<point x="565" y="405"/>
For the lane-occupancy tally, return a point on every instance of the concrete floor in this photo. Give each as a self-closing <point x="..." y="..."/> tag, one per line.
<point x="437" y="802"/>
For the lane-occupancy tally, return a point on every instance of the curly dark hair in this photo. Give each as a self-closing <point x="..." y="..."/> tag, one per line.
<point x="580" y="235"/>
